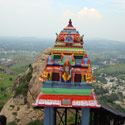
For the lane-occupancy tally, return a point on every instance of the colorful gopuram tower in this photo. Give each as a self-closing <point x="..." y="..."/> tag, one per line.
<point x="67" y="78"/>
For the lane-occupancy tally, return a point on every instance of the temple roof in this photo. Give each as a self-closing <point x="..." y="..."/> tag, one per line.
<point x="111" y="109"/>
<point x="69" y="34"/>
<point x="69" y="26"/>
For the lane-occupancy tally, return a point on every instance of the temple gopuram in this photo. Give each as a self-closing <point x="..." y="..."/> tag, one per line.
<point x="67" y="79"/>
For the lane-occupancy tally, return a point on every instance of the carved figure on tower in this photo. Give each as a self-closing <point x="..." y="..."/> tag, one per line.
<point x="66" y="71"/>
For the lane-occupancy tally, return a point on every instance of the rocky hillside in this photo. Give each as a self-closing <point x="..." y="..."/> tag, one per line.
<point x="24" y="92"/>
<point x="7" y="70"/>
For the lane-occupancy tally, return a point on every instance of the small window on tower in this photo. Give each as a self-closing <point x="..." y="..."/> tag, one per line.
<point x="77" y="78"/>
<point x="55" y="77"/>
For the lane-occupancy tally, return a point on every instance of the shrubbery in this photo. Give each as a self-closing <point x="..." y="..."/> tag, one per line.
<point x="12" y="123"/>
<point x="36" y="122"/>
<point x="23" y="86"/>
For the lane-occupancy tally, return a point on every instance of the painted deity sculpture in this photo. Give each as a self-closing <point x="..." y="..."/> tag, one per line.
<point x="43" y="76"/>
<point x="66" y="71"/>
<point x="89" y="76"/>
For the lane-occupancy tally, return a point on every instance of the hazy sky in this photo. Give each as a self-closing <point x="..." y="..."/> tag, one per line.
<point x="43" y="18"/>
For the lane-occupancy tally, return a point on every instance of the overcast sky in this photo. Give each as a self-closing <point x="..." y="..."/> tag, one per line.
<point x="43" y="18"/>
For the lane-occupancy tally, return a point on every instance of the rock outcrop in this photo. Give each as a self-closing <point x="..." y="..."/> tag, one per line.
<point x="7" y="70"/>
<point x="24" y="92"/>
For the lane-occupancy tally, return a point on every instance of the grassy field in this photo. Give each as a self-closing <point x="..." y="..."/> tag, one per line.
<point x="20" y="64"/>
<point x="6" y="82"/>
<point x="117" y="69"/>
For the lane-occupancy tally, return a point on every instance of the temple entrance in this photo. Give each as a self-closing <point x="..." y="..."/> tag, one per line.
<point x="77" y="78"/>
<point x="55" y="77"/>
